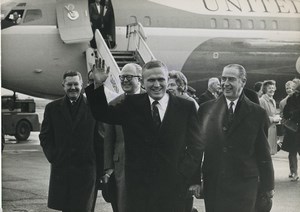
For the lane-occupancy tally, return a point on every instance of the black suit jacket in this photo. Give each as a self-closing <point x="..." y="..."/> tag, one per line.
<point x="236" y="155"/>
<point x="157" y="164"/>
<point x="96" y="17"/>
<point x="206" y="96"/>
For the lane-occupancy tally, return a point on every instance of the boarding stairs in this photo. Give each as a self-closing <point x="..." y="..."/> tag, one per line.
<point x="137" y="51"/>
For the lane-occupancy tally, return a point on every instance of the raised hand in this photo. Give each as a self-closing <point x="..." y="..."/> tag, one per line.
<point x="100" y="73"/>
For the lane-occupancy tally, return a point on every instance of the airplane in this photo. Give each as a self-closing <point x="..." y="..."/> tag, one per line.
<point x="197" y="37"/>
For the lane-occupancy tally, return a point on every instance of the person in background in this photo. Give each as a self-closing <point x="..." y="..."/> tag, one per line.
<point x="192" y="93"/>
<point x="268" y="103"/>
<point x="163" y="147"/>
<point x="291" y="140"/>
<point x="258" y="89"/>
<point x="289" y="89"/>
<point x="237" y="164"/>
<point x="178" y="85"/>
<point x="68" y="137"/>
<point x="96" y="10"/>
<point x="212" y="92"/>
<point x="16" y="18"/>
<point x="107" y="21"/>
<point x="114" y="153"/>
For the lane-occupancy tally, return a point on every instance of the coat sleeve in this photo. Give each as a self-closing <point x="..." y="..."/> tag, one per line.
<point x="99" y="149"/>
<point x="265" y="165"/>
<point x="111" y="114"/>
<point x="194" y="149"/>
<point x="47" y="136"/>
<point x="109" y="146"/>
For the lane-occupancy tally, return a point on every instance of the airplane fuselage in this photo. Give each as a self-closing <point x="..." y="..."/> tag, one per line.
<point x="198" y="37"/>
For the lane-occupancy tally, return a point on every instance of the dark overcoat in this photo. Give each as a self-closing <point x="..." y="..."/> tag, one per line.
<point x="158" y="164"/>
<point x="206" y="96"/>
<point x="236" y="155"/>
<point x="69" y="147"/>
<point x="291" y="140"/>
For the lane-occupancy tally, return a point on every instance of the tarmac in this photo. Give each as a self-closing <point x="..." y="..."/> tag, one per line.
<point x="25" y="178"/>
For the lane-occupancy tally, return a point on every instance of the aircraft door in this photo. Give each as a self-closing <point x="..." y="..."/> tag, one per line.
<point x="73" y="21"/>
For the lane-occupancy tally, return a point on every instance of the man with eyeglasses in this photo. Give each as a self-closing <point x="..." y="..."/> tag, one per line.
<point x="69" y="137"/>
<point x="114" y="155"/>
<point x="162" y="139"/>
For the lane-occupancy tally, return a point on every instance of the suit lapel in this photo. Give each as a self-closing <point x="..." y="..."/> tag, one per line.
<point x="241" y="112"/>
<point x="170" y="111"/>
<point x="81" y="112"/>
<point x="67" y="115"/>
<point x="65" y="111"/>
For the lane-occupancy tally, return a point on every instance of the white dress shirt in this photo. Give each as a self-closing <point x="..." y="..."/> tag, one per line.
<point x="162" y="105"/>
<point x="234" y="104"/>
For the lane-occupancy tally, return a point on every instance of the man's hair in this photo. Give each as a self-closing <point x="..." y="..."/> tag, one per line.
<point x="180" y="80"/>
<point x="212" y="80"/>
<point x="137" y="67"/>
<point x="71" y="73"/>
<point x="266" y="83"/>
<point x="290" y="84"/>
<point x="240" y="68"/>
<point x="296" y="81"/>
<point x="257" y="86"/>
<point x="154" y="64"/>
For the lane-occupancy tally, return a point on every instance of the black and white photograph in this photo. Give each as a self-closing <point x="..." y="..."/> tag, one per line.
<point x="150" y="106"/>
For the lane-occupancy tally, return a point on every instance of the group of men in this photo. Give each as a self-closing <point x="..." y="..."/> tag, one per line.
<point x="165" y="137"/>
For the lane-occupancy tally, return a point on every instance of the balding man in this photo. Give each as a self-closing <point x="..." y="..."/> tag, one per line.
<point x="114" y="155"/>
<point x="237" y="164"/>
<point x="212" y="92"/>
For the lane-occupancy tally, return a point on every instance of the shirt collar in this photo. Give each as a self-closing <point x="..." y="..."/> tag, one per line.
<point x="229" y="101"/>
<point x="163" y="102"/>
<point x="138" y="91"/>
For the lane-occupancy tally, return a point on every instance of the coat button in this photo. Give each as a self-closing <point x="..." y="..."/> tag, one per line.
<point x="224" y="129"/>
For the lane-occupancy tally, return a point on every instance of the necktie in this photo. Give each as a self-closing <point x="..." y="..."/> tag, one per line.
<point x="155" y="115"/>
<point x="230" y="112"/>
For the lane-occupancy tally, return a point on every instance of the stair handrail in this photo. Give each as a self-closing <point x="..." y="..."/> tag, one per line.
<point x="113" y="82"/>
<point x="137" y="41"/>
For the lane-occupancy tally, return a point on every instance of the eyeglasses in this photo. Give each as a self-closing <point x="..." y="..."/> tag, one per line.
<point x="127" y="77"/>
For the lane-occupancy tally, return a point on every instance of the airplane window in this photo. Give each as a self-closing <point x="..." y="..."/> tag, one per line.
<point x="274" y="25"/>
<point x="132" y="19"/>
<point x="262" y="24"/>
<point x="226" y="23"/>
<point x="238" y="24"/>
<point x="15" y="16"/>
<point x="32" y="15"/>
<point x="147" y="21"/>
<point x="213" y="23"/>
<point x="250" y="24"/>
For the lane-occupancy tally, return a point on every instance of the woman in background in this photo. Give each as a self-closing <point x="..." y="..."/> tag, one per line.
<point x="291" y="140"/>
<point x="268" y="103"/>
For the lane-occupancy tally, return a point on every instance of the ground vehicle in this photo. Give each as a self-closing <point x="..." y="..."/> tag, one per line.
<point x="19" y="117"/>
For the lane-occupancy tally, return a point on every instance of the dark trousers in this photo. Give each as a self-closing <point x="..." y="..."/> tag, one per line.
<point x="293" y="162"/>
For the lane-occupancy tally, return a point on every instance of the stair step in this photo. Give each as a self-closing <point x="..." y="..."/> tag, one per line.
<point x="122" y="53"/>
<point x="123" y="56"/>
<point x="125" y="62"/>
